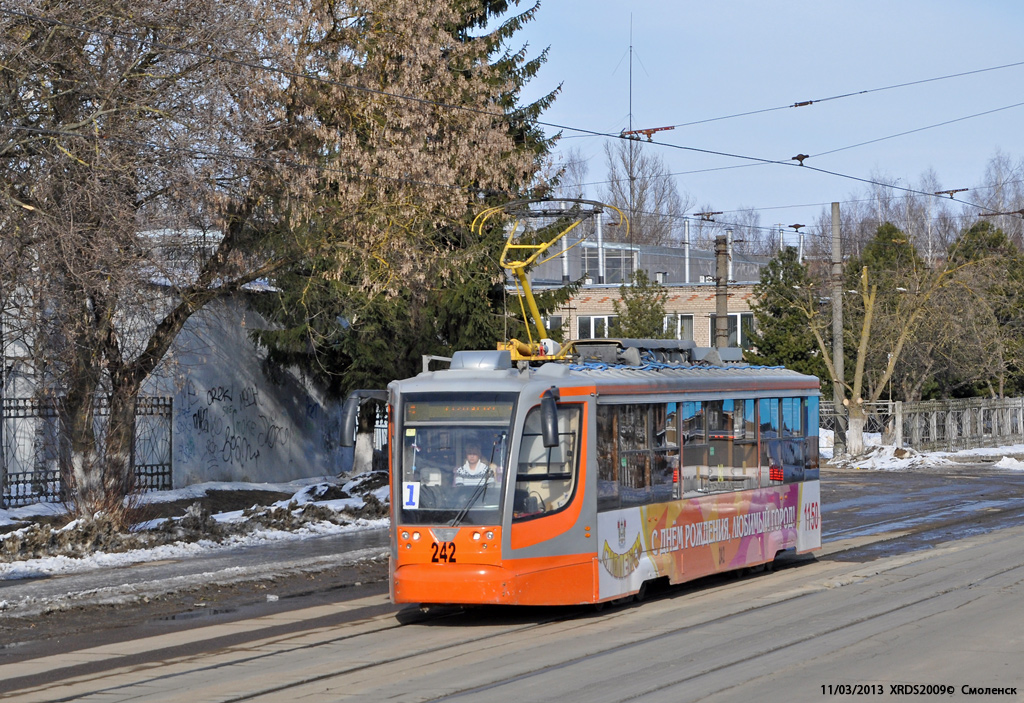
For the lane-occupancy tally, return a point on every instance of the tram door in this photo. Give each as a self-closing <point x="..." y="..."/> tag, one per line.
<point x="551" y="551"/>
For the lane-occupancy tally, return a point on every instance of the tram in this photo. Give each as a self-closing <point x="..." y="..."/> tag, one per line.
<point x="537" y="474"/>
<point x="582" y="481"/>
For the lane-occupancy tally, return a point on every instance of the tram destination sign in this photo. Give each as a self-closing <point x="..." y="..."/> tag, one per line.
<point x="458" y="410"/>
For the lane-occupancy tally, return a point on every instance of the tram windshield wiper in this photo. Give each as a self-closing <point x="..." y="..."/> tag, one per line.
<point x="481" y="488"/>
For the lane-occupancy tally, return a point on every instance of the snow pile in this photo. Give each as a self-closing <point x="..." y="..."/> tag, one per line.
<point x="1008" y="462"/>
<point x="883" y="457"/>
<point x="326" y="507"/>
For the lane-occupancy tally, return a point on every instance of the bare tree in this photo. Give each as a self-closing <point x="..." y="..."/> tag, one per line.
<point x="1002" y="190"/>
<point x="145" y="175"/>
<point x="640" y="185"/>
<point x="572" y="181"/>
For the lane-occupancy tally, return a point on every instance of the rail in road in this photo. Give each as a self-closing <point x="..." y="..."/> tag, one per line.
<point x="948" y="616"/>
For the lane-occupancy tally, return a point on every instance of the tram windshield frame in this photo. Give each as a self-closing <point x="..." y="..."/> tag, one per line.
<point x="437" y="483"/>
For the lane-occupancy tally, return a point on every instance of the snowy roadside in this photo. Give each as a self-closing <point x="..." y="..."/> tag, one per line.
<point x="37" y="544"/>
<point x="884" y="457"/>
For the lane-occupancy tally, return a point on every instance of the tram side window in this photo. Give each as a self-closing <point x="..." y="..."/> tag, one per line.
<point x="793" y="455"/>
<point x="732" y="447"/>
<point x="768" y="419"/>
<point x="634" y="457"/>
<point x="607" y="458"/>
<point x="784" y="443"/>
<point x="744" y="453"/>
<point x="695" y="447"/>
<point x="792" y="417"/>
<point x="546" y="476"/>
<point x="812" y="416"/>
<point x="665" y="453"/>
<point x="811" y="440"/>
<point x="692" y="422"/>
<point x="638" y="454"/>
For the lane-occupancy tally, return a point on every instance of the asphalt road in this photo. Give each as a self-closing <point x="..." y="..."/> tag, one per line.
<point x="920" y="583"/>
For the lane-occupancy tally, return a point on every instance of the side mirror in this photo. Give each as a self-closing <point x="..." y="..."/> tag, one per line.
<point x="549" y="417"/>
<point x="350" y="413"/>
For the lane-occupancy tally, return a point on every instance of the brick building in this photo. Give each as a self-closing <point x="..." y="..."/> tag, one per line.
<point x="690" y="312"/>
<point x="688" y="274"/>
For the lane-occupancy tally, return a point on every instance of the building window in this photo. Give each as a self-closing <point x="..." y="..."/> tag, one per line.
<point x="742" y="320"/>
<point x="679" y="326"/>
<point x="619" y="264"/>
<point x="596" y="326"/>
<point x="553" y="323"/>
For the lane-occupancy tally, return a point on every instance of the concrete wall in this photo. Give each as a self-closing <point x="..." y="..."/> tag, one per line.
<point x="231" y="422"/>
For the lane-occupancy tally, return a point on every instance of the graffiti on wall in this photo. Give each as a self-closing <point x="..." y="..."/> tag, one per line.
<point x="228" y="426"/>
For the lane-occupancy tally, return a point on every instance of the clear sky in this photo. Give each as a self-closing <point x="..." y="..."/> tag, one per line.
<point x="702" y="60"/>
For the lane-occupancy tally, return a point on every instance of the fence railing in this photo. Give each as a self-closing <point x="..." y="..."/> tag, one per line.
<point x="942" y="425"/>
<point x="30" y="444"/>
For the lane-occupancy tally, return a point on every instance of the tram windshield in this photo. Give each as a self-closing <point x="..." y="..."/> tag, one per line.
<point x="454" y="454"/>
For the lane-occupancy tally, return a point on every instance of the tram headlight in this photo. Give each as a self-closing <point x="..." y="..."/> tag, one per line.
<point x="476" y="536"/>
<point x="490" y="535"/>
<point x="415" y="536"/>
<point x="405" y="535"/>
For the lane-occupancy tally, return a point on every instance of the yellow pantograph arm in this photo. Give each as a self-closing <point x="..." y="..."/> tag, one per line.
<point x="518" y="265"/>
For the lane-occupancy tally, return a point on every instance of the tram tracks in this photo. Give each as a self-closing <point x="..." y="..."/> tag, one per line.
<point x="972" y="589"/>
<point x="594" y="626"/>
<point x="509" y="626"/>
<point x="90" y="685"/>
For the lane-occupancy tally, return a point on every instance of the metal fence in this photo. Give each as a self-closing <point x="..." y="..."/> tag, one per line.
<point x="942" y="425"/>
<point x="30" y="441"/>
<point x="878" y="419"/>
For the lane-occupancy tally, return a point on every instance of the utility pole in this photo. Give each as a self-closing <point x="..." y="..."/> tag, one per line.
<point x="839" y="446"/>
<point x="686" y="250"/>
<point x="721" y="291"/>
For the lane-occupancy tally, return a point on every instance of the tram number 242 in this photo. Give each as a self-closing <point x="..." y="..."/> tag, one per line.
<point x="443" y="552"/>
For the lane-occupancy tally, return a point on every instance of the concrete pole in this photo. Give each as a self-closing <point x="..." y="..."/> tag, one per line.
<point x="838" y="392"/>
<point x="600" y="249"/>
<point x="728" y="248"/>
<point x="686" y="251"/>
<point x="721" y="291"/>
<point x="800" y="251"/>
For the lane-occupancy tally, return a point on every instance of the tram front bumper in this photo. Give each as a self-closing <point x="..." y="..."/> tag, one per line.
<point x="463" y="584"/>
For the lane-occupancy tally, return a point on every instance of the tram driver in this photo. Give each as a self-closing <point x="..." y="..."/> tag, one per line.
<point x="475" y="471"/>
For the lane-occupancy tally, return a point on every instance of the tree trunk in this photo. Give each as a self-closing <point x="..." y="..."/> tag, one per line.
<point x="79" y="462"/>
<point x="855" y="431"/>
<point x="362" y="459"/>
<point x="119" y="447"/>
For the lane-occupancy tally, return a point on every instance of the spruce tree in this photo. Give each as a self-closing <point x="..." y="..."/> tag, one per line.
<point x="641" y="311"/>
<point x="782" y="336"/>
<point x="363" y="318"/>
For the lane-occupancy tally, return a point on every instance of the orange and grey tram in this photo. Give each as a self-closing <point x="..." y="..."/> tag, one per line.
<point x="582" y="480"/>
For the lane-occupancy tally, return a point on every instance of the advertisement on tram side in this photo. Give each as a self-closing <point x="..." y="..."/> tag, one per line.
<point x="695" y="537"/>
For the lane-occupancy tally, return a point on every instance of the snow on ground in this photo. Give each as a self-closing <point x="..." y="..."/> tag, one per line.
<point x="317" y="507"/>
<point x="884" y="457"/>
<point x="56" y="565"/>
